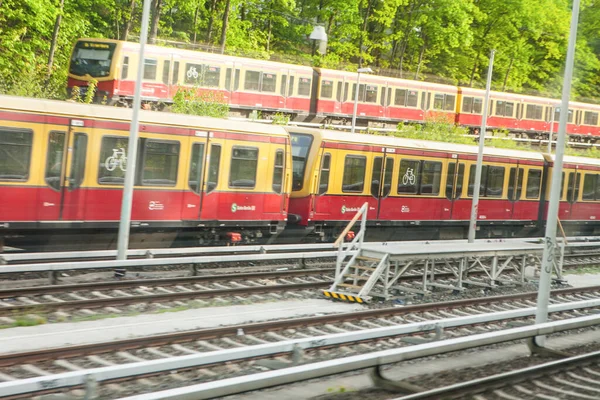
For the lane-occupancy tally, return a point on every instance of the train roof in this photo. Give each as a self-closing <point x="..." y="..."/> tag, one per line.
<point x="201" y="55"/>
<point x="427" y="145"/>
<point x="83" y="111"/>
<point x="392" y="80"/>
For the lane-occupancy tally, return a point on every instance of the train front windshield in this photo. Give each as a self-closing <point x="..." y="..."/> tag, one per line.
<point x="92" y="58"/>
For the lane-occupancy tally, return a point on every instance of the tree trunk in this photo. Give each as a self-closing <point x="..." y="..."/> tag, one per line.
<point x="156" y="6"/>
<point x="196" y="21"/>
<point x="362" y="33"/>
<point x="269" y="27"/>
<point x="125" y="33"/>
<point x="420" y="60"/>
<point x="474" y="69"/>
<point x="508" y="72"/>
<point x="225" y="23"/>
<point x="55" y="38"/>
<point x="211" y="20"/>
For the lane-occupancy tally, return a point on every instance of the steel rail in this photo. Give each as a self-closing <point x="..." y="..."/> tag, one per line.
<point x="500" y="380"/>
<point x="293" y="374"/>
<point x="258" y="327"/>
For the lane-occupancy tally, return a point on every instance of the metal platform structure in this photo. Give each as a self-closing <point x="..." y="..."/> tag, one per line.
<point x="376" y="269"/>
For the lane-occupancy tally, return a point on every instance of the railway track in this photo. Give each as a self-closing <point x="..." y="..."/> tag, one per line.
<point x="366" y="331"/>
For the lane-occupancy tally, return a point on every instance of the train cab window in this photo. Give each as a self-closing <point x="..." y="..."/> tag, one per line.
<point x="300" y="147"/>
<point x="590" y="118"/>
<point x="175" y="80"/>
<point x="304" y="86"/>
<point x="278" y="172"/>
<point x="160" y="163"/>
<point x="244" y="163"/>
<point x="590" y="187"/>
<point x="412" y="98"/>
<point x="125" y="67"/>
<point x="54" y="159"/>
<point x="400" y="97"/>
<point x="166" y="71"/>
<point x="214" y="165"/>
<point x="291" y="86"/>
<point x="269" y="82"/>
<point x="371" y="94"/>
<point x="534" y="183"/>
<point x="283" y="87"/>
<point x="196" y="163"/>
<point x="515" y="184"/>
<point x="353" y="180"/>
<point x="113" y="160"/>
<point x="408" y="176"/>
<point x="78" y="160"/>
<point x="15" y="154"/>
<point x="534" y="111"/>
<point x="324" y="176"/>
<point x="150" y="66"/>
<point x="573" y="187"/>
<point x="431" y="176"/>
<point x="326" y="89"/>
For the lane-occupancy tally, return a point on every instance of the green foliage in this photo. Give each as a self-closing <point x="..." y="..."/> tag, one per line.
<point x="436" y="128"/>
<point x="88" y="98"/>
<point x="281" y="119"/>
<point x="592" y="152"/>
<point x="195" y="101"/>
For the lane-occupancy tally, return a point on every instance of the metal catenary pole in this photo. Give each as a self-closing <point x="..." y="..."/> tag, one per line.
<point x="552" y="110"/>
<point x="552" y="219"/>
<point x="479" y="167"/>
<point x="355" y="101"/>
<point x="124" y="224"/>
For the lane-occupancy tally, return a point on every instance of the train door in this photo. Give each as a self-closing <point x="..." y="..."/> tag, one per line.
<point x="381" y="180"/>
<point x="322" y="204"/>
<point x="62" y="197"/>
<point x="456" y="207"/>
<point x="283" y="88"/>
<point x="573" y="182"/>
<point x="273" y="201"/>
<point x="195" y="188"/>
<point x="385" y="99"/>
<point x="515" y="190"/>
<point x="339" y="92"/>
<point x="209" y="204"/>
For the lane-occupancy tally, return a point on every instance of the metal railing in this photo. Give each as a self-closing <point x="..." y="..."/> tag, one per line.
<point x="345" y="250"/>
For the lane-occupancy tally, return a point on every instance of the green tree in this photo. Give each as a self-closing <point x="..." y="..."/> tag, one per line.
<point x="195" y="101"/>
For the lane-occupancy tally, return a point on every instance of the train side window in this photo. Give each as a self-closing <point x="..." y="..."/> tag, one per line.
<point x="113" y="160"/>
<point x="278" y="172"/>
<point x="431" y="177"/>
<point x="54" y="159"/>
<point x="438" y="101"/>
<point x="166" y="71"/>
<point x="408" y="176"/>
<point x="175" y="80"/>
<point x="515" y="183"/>
<point x="423" y="105"/>
<point x="484" y="176"/>
<point x="382" y="99"/>
<point x="477" y="105"/>
<point x="450" y="177"/>
<point x="326" y="89"/>
<point x="361" y="92"/>
<point x="589" y="187"/>
<point x="449" y="101"/>
<point x="78" y="160"/>
<point x="338" y="95"/>
<point x="460" y="177"/>
<point x="244" y="163"/>
<point x="371" y="93"/>
<point x="346" y="85"/>
<point x="495" y="182"/>
<point x="213" y="168"/>
<point x="269" y="82"/>
<point x="467" y="105"/>
<point x="324" y="176"/>
<point x="196" y="162"/>
<point x="412" y="98"/>
<point x="562" y="186"/>
<point x="252" y="80"/>
<point x="228" y="74"/>
<point x="387" y="176"/>
<point x="534" y="111"/>
<point x="388" y="98"/>
<point x="236" y="80"/>
<point x="15" y="154"/>
<point x="283" y="85"/>
<point x="400" y="97"/>
<point x="202" y="75"/>
<point x="125" y="67"/>
<point x="291" y="88"/>
<point x="590" y="118"/>
<point x="301" y="144"/>
<point x="597" y="187"/>
<point x="534" y="183"/>
<point x="150" y="65"/>
<point x="304" y="86"/>
<point x="354" y="174"/>
<point x="573" y="187"/>
<point x="161" y="161"/>
<point x="376" y="176"/>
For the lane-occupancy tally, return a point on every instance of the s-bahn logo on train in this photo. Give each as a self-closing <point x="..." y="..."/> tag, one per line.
<point x="235" y="208"/>
<point x="349" y="209"/>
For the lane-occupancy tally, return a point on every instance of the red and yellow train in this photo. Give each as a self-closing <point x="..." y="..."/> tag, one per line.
<point x="313" y="94"/>
<point x="62" y="168"/>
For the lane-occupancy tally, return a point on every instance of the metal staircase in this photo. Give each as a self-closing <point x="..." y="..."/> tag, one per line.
<point x="355" y="279"/>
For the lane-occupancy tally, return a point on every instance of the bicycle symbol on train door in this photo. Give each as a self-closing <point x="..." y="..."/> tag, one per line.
<point x="409" y="177"/>
<point x="118" y="159"/>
